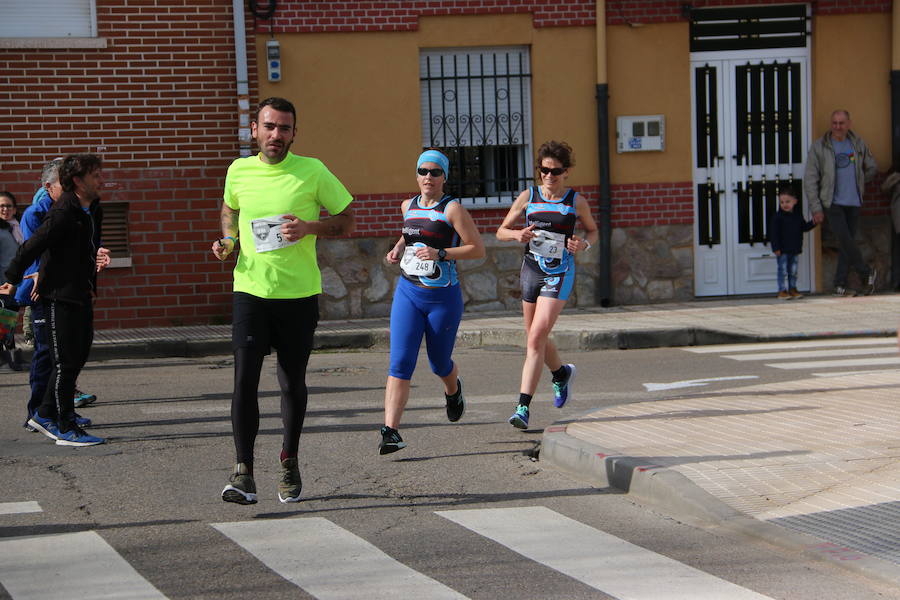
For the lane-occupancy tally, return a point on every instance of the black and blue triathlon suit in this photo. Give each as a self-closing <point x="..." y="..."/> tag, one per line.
<point x="429" y="305"/>
<point x="542" y="276"/>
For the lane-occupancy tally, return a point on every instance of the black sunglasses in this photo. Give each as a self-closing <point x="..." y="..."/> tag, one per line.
<point x="555" y="171"/>
<point x="433" y="172"/>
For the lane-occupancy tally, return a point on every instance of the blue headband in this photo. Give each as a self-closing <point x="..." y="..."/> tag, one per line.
<point x="435" y="157"/>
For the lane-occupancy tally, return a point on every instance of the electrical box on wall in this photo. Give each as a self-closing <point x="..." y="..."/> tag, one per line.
<point x="273" y="60"/>
<point x="640" y="134"/>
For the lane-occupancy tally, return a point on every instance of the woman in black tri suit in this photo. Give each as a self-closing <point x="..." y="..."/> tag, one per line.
<point x="551" y="211"/>
<point x="437" y="231"/>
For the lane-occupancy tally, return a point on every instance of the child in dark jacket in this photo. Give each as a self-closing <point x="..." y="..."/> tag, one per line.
<point x="786" y="231"/>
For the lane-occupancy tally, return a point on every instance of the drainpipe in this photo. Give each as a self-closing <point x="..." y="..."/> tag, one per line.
<point x="895" y="85"/>
<point x="604" y="279"/>
<point x="243" y="83"/>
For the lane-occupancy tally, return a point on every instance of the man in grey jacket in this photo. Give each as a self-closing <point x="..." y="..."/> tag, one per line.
<point x="837" y="168"/>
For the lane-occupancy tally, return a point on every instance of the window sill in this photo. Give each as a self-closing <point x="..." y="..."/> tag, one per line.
<point x="53" y="42"/>
<point x="490" y="202"/>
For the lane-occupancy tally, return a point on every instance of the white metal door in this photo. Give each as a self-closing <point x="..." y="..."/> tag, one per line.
<point x="751" y="115"/>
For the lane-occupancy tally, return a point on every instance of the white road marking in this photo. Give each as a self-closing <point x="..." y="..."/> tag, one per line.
<point x="655" y="387"/>
<point x="811" y="354"/>
<point x="189" y="408"/>
<point x="69" y="565"/>
<point x="437" y="401"/>
<point x="825" y="364"/>
<point x="329" y="562"/>
<point x="595" y="558"/>
<point x="16" y="508"/>
<point x="871" y="341"/>
<point x="849" y="373"/>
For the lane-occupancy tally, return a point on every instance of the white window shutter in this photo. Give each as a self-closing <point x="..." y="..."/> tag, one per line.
<point x="47" y="18"/>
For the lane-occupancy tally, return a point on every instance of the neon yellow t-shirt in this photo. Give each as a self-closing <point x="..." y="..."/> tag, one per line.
<point x="299" y="186"/>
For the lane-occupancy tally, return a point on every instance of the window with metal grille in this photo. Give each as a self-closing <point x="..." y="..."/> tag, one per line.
<point x="115" y="233"/>
<point x="749" y="27"/>
<point x="48" y="18"/>
<point x="476" y="108"/>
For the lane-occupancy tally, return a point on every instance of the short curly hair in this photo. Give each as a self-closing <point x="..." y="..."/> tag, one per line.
<point x="77" y="165"/>
<point x="560" y="151"/>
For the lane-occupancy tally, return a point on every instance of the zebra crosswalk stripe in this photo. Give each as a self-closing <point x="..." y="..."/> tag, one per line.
<point x="308" y="551"/>
<point x="598" y="559"/>
<point x="69" y="565"/>
<point x="799" y="344"/>
<point x="843" y="352"/>
<point x="18" y="508"/>
<point x="833" y="364"/>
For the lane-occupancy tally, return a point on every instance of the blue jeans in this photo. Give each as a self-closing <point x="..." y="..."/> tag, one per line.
<point x="787" y="272"/>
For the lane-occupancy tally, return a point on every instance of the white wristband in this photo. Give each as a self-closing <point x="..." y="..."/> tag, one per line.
<point x="588" y="245"/>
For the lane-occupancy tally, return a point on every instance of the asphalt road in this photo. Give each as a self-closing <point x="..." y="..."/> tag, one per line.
<point x="435" y="511"/>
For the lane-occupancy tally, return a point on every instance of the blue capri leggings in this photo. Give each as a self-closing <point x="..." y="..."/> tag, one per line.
<point x="434" y="313"/>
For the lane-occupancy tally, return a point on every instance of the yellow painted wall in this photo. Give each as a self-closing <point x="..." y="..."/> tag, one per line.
<point x="357" y="94"/>
<point x="649" y="74"/>
<point x="851" y="64"/>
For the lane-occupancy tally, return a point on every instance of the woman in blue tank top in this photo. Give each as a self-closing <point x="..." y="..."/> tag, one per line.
<point x="547" y="277"/>
<point x="437" y="231"/>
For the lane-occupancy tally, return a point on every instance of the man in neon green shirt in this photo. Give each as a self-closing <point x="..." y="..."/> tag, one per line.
<point x="272" y="203"/>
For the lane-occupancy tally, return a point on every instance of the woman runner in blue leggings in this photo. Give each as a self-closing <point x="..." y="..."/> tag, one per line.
<point x="437" y="231"/>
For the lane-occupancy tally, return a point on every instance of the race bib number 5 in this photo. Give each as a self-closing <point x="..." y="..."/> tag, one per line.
<point x="547" y="244"/>
<point x="267" y="234"/>
<point x="415" y="266"/>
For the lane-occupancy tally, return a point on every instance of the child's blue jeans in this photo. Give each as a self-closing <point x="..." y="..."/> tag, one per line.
<point x="787" y="272"/>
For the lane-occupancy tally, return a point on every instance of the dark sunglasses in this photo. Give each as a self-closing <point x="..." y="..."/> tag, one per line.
<point x="7" y="206"/>
<point x="555" y="171"/>
<point x="433" y="172"/>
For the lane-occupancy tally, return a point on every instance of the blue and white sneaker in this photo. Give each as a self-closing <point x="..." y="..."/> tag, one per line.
<point x="562" y="390"/>
<point x="77" y="437"/>
<point x="82" y="421"/>
<point x="82" y="399"/>
<point x="46" y="426"/>
<point x="519" y="420"/>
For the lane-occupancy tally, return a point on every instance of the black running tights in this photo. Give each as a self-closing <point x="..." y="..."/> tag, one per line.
<point x="245" y="400"/>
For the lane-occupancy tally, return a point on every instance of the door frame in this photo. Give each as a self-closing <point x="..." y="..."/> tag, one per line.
<point x="726" y="171"/>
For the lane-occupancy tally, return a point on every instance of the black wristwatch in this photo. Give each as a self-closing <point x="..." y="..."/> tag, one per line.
<point x="442" y="254"/>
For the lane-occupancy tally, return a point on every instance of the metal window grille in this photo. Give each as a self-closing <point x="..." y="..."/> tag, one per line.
<point x="476" y="108"/>
<point x="749" y="27"/>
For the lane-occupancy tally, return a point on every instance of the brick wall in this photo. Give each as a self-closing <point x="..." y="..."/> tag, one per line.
<point x="158" y="103"/>
<point x="302" y="16"/>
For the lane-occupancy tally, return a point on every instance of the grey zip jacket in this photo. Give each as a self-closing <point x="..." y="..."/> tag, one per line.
<point x="818" y="178"/>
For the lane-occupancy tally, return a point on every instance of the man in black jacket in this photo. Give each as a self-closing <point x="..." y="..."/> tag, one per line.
<point x="66" y="243"/>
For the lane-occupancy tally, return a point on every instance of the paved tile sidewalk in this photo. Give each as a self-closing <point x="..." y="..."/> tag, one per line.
<point x="819" y="456"/>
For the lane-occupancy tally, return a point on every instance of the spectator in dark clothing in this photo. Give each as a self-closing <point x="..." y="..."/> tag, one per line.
<point x="786" y="231"/>
<point x="67" y="243"/>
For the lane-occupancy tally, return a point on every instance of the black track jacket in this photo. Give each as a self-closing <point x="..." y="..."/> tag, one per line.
<point x="66" y="243"/>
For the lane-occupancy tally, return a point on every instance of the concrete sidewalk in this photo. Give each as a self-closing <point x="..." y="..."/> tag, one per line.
<point x="811" y="465"/>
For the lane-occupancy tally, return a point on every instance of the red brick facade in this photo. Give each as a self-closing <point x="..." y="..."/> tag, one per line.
<point x="301" y="16"/>
<point x="159" y="104"/>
